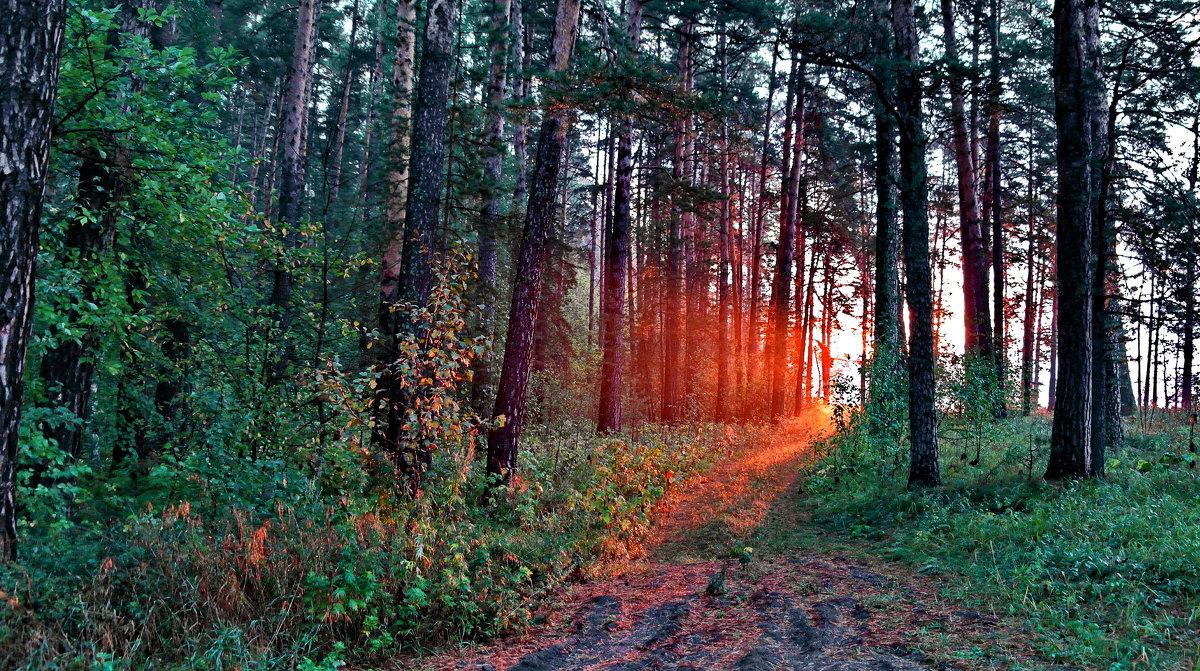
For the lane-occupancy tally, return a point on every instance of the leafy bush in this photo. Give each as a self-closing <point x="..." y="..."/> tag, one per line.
<point x="298" y="575"/>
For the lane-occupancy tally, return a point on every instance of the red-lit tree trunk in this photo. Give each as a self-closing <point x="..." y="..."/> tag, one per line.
<point x="974" y="261"/>
<point x="1028" y="388"/>
<point x="616" y="260"/>
<point x="785" y="248"/>
<point x="753" y="297"/>
<point x="673" y="308"/>
<point x="828" y="315"/>
<point x="512" y="392"/>
<point x="993" y="193"/>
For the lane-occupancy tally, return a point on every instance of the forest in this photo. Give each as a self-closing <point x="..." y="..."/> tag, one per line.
<point x="834" y="335"/>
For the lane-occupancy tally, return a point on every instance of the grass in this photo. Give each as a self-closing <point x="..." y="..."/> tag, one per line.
<point x="1106" y="574"/>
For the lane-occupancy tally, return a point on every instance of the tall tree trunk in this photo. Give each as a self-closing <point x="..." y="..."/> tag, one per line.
<point x="994" y="195"/>
<point x="68" y="366"/>
<point x="1052" y="364"/>
<point x="1028" y="381"/>
<point x="753" y="295"/>
<point x="887" y="315"/>
<point x="974" y="262"/>
<point x="828" y="313"/>
<point x="724" y="268"/>
<point x="673" y="310"/>
<point x="427" y="170"/>
<point x="398" y="150"/>
<point x="1081" y="120"/>
<point x="413" y="285"/>
<point x="522" y="55"/>
<point x="335" y="148"/>
<point x="30" y="41"/>
<point x="918" y="289"/>
<point x="1187" y="383"/>
<point x="616" y="259"/>
<point x="539" y="221"/>
<point x="366" y="187"/>
<point x="785" y="248"/>
<point x="805" y="317"/>
<point x="887" y="239"/>
<point x="490" y="220"/>
<point x="294" y="160"/>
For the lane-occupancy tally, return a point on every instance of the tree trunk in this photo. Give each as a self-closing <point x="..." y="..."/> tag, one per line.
<point x="1080" y="118"/>
<point x="1028" y="382"/>
<point x="539" y="221"/>
<point x="414" y="283"/>
<point x="974" y="262"/>
<point x="914" y="198"/>
<point x="336" y="147"/>
<point x="293" y="162"/>
<point x="785" y="248"/>
<point x="993" y="195"/>
<point x="753" y="296"/>
<point x="1052" y="364"/>
<point x="887" y="240"/>
<point x="491" y="220"/>
<point x="673" y="310"/>
<point x="30" y="42"/>
<point x="616" y="259"/>
<point x="68" y="367"/>
<point x="399" y="148"/>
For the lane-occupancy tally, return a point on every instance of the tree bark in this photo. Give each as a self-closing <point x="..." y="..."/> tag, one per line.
<point x="414" y="283"/>
<point x="30" y="43"/>
<point x="490" y="220"/>
<point x="1081" y="121"/>
<point x="785" y="247"/>
<point x="399" y="150"/>
<point x="993" y="194"/>
<point x="914" y="197"/>
<point x="293" y="161"/>
<point x="512" y="393"/>
<point x="753" y="293"/>
<point x="616" y="259"/>
<point x="673" y="275"/>
<point x="974" y="262"/>
<point x="336" y="147"/>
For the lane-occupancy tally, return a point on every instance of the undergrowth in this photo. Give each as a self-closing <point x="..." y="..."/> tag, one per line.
<point x="1105" y="573"/>
<point x="303" y="580"/>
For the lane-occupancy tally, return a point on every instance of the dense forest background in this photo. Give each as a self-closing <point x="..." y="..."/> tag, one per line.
<point x="353" y="327"/>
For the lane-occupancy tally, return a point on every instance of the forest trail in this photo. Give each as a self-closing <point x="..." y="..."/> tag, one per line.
<point x="705" y="595"/>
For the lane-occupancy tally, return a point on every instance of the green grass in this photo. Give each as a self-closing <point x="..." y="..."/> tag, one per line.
<point x="1106" y="574"/>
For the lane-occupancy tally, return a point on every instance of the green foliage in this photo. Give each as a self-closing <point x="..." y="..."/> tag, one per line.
<point x="247" y="570"/>
<point x="1104" y="572"/>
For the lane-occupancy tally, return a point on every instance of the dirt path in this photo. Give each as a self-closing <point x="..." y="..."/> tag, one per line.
<point x="705" y="597"/>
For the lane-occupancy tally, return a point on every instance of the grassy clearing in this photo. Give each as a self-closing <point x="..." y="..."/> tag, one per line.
<point x="1106" y="574"/>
